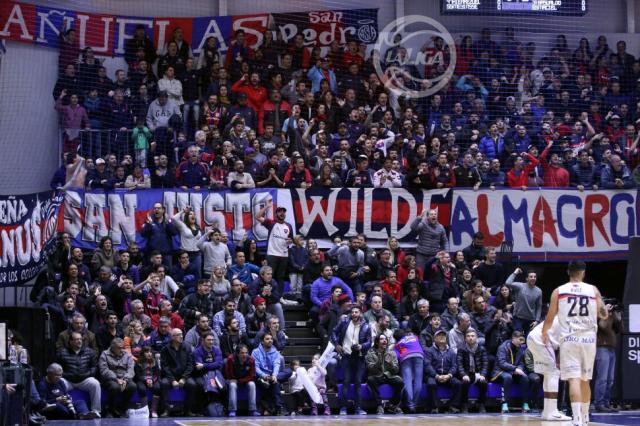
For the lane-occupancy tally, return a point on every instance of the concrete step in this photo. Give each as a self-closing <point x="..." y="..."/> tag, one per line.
<point x="302" y="341"/>
<point x="300" y="350"/>
<point x="300" y="332"/>
<point x="297" y="324"/>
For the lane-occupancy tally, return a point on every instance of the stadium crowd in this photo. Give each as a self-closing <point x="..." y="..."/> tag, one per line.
<point x="285" y="115"/>
<point x="207" y="316"/>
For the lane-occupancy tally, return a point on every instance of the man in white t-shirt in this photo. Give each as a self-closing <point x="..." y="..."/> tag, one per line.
<point x="578" y="307"/>
<point x="280" y="238"/>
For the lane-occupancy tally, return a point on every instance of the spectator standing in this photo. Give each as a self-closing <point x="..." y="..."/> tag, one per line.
<point x="186" y="223"/>
<point x="280" y="237"/>
<point x="159" y="233"/>
<point x="490" y="272"/>
<point x="605" y="367"/>
<point x="214" y="252"/>
<point x="616" y="175"/>
<point x="528" y="301"/>
<point x="432" y="237"/>
<point x="411" y="359"/>
<point x="352" y="339"/>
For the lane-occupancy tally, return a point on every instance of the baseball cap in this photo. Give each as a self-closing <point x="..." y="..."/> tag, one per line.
<point x="614" y="117"/>
<point x="342" y="124"/>
<point x="258" y="300"/>
<point x="546" y="69"/>
<point x="281" y="209"/>
<point x="100" y="161"/>
<point x="249" y="151"/>
<point x="343" y="298"/>
<point x="440" y="331"/>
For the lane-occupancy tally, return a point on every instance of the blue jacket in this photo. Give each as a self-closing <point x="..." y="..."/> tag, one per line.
<point x="211" y="360"/>
<point x="440" y="362"/>
<point x="364" y="337"/>
<point x="488" y="147"/>
<point x="159" y="236"/>
<point x="267" y="361"/>
<point x="321" y="289"/>
<point x="508" y="359"/>
<point x="609" y="176"/>
<point x="192" y="174"/>
<point x="316" y="76"/>
<point x="243" y="273"/>
<point x="157" y="341"/>
<point x="585" y="176"/>
<point x="298" y="257"/>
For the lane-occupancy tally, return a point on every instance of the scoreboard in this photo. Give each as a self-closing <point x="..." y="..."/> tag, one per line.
<point x="514" y="7"/>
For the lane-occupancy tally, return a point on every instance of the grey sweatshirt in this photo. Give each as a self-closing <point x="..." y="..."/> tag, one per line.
<point x="528" y="300"/>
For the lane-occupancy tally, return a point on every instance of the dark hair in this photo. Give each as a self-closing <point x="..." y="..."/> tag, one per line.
<point x="103" y="240"/>
<point x="109" y="313"/>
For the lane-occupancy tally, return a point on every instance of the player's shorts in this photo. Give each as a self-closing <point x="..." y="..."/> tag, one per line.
<point x="577" y="357"/>
<point x="544" y="358"/>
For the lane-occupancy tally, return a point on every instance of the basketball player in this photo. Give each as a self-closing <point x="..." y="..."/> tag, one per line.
<point x="578" y="307"/>
<point x="544" y="358"/>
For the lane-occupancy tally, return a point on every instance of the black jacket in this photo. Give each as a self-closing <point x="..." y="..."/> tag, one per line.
<point x="80" y="366"/>
<point x="176" y="364"/>
<point x="195" y="303"/>
<point x="481" y="362"/>
<point x="229" y="342"/>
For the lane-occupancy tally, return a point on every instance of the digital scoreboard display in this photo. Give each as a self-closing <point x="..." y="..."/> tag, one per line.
<point x="514" y="7"/>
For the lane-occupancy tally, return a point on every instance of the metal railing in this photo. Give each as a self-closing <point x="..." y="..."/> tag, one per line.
<point x="94" y="143"/>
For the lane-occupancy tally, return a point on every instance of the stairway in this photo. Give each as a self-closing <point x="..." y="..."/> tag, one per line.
<point x="303" y="342"/>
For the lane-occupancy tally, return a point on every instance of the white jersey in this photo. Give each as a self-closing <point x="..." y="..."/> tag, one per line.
<point x="577" y="310"/>
<point x="535" y="335"/>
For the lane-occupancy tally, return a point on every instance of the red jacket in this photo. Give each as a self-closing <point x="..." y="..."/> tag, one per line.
<point x="553" y="176"/>
<point x="518" y="181"/>
<point x="393" y="290"/>
<point x="249" y="371"/>
<point x="256" y="96"/>
<point x="268" y="111"/>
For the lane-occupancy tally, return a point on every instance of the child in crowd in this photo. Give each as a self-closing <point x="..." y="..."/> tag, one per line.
<point x="298" y="258"/>
<point x="317" y="373"/>
<point x="141" y="138"/>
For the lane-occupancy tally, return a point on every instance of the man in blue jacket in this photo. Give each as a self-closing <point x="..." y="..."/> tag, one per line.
<point x="510" y="368"/>
<point x="269" y="375"/>
<point x="352" y="339"/>
<point x="322" y="289"/>
<point x="159" y="233"/>
<point x="440" y="369"/>
<point x="207" y="360"/>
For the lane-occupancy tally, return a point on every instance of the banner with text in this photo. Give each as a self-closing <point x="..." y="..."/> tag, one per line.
<point x="548" y="224"/>
<point x="107" y="34"/>
<point x="27" y="225"/>
<point x="544" y="225"/>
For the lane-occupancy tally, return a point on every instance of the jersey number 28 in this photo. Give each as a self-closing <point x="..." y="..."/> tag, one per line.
<point x="580" y="302"/>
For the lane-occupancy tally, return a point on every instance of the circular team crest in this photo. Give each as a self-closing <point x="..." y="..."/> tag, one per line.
<point x="367" y="33"/>
<point x="395" y="76"/>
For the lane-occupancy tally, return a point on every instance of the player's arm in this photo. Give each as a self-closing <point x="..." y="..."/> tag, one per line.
<point x="603" y="312"/>
<point x="551" y="314"/>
